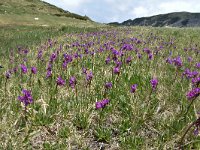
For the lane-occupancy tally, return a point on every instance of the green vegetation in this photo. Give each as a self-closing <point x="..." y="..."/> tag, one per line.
<point x="34" y="8"/>
<point x="75" y="84"/>
<point x="31" y="36"/>
<point x="63" y="114"/>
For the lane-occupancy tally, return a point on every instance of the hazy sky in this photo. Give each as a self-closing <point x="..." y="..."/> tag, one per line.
<point x="120" y="10"/>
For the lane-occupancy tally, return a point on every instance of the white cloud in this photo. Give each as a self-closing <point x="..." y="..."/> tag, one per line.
<point x="140" y="11"/>
<point x="121" y="10"/>
<point x="74" y="3"/>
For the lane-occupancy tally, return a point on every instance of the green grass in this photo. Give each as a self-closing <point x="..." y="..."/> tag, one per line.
<point x="31" y="36"/>
<point x="65" y="118"/>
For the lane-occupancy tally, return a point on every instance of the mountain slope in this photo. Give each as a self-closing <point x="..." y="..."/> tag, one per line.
<point x="176" y="19"/>
<point x="36" y="12"/>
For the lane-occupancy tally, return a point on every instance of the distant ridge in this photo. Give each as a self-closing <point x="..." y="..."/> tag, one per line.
<point x="175" y="19"/>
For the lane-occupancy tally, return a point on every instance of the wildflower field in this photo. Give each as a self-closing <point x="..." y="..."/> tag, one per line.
<point x="113" y="88"/>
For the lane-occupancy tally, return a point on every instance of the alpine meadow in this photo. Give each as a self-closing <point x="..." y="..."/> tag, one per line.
<point x="70" y="83"/>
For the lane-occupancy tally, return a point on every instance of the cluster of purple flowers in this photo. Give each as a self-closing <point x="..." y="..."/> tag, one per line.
<point x="67" y="58"/>
<point x="60" y="81"/>
<point x="102" y="104"/>
<point x="177" y="61"/>
<point x="193" y="93"/>
<point x="190" y="74"/>
<point x="196" y="81"/>
<point x="169" y="60"/>
<point x="26" y="99"/>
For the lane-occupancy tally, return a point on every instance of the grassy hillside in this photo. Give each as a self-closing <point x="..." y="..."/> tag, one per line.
<point x="34" y="7"/>
<point x="36" y="12"/>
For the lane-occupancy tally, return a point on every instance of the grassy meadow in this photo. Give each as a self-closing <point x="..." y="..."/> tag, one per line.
<point x="99" y="88"/>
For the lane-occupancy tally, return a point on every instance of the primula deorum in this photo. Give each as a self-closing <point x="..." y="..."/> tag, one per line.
<point x="194" y="93"/>
<point x="102" y="104"/>
<point x="133" y="88"/>
<point x="60" y="81"/>
<point x="154" y="83"/>
<point x="34" y="70"/>
<point x="24" y="69"/>
<point x="26" y="99"/>
<point x="108" y="85"/>
<point x="72" y="82"/>
<point x="116" y="70"/>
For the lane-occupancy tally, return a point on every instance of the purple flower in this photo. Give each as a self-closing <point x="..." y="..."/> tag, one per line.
<point x="8" y="74"/>
<point x="89" y="76"/>
<point x="108" y="85"/>
<point x="118" y="63"/>
<point x="177" y="61"/>
<point x="68" y="58"/>
<point x="128" y="60"/>
<point x="53" y="57"/>
<point x="49" y="67"/>
<point x="193" y="93"/>
<point x="139" y="55"/>
<point x="150" y="56"/>
<point x="102" y="104"/>
<point x="198" y="65"/>
<point x="169" y="60"/>
<point x="189" y="59"/>
<point x="133" y="88"/>
<point x="25" y="51"/>
<point x="84" y="70"/>
<point x="15" y="69"/>
<point x="60" y="81"/>
<point x="26" y="98"/>
<point x="154" y="83"/>
<point x="190" y="74"/>
<point x="197" y="126"/>
<point x="40" y="52"/>
<point x="24" y="69"/>
<point x="33" y="70"/>
<point x="107" y="60"/>
<point x="146" y="50"/>
<point x="72" y="82"/>
<point x="196" y="81"/>
<point x="116" y="70"/>
<point x="49" y="73"/>
<point x="64" y="65"/>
